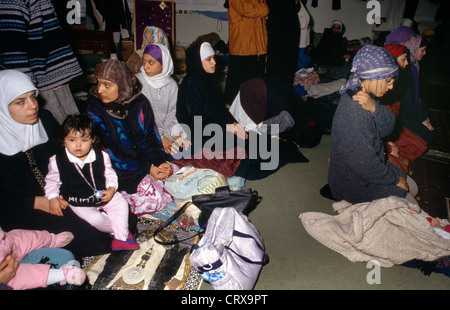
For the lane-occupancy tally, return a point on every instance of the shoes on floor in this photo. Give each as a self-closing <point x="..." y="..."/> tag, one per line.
<point x="129" y="244"/>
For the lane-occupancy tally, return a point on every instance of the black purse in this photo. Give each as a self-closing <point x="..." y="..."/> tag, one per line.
<point x="243" y="201"/>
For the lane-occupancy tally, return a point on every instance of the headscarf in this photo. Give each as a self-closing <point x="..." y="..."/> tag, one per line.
<point x="194" y="59"/>
<point x="164" y="58"/>
<point x="253" y="98"/>
<point x="370" y="63"/>
<point x="413" y="43"/>
<point x="396" y="49"/>
<point x="399" y="35"/>
<point x="117" y="72"/>
<point x="206" y="50"/>
<point x="338" y="22"/>
<point x="14" y="136"/>
<point x="155" y="51"/>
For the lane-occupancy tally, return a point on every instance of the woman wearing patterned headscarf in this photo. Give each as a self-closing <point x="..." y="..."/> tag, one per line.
<point x="358" y="169"/>
<point x="130" y="136"/>
<point x="414" y="130"/>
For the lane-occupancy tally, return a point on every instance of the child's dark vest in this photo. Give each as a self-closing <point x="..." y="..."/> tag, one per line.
<point x="74" y="188"/>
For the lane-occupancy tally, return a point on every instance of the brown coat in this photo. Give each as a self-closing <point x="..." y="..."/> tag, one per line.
<point x="247" y="27"/>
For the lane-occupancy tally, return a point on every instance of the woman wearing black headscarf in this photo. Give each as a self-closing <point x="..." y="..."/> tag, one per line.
<point x="200" y="94"/>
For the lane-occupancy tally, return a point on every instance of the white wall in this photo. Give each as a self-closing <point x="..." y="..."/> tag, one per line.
<point x="200" y="5"/>
<point x="353" y="14"/>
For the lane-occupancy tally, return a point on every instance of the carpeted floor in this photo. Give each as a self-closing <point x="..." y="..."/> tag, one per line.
<point x="432" y="174"/>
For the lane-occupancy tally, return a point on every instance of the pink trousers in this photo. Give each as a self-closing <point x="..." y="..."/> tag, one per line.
<point x="111" y="218"/>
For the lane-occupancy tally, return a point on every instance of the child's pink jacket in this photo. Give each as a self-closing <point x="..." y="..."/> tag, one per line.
<point x="18" y="243"/>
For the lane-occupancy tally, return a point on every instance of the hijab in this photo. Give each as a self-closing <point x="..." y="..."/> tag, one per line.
<point x="370" y="63"/>
<point x="399" y="35"/>
<point x="253" y="99"/>
<point x="117" y="72"/>
<point x="14" y="136"/>
<point x="396" y="49"/>
<point x="194" y="57"/>
<point x="337" y="22"/>
<point x="162" y="55"/>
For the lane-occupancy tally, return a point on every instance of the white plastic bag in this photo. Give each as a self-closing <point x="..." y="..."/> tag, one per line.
<point x="231" y="253"/>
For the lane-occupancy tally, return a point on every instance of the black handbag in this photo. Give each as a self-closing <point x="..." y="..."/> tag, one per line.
<point x="243" y="201"/>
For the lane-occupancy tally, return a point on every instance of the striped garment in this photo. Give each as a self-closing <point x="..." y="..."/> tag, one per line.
<point x="33" y="42"/>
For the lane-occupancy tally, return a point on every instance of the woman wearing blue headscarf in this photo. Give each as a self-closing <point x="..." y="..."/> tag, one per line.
<point x="358" y="169"/>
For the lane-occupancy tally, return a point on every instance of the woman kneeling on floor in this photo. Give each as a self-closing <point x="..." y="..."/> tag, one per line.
<point x="359" y="171"/>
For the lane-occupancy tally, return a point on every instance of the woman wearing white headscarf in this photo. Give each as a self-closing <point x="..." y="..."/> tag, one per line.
<point x="359" y="171"/>
<point x="161" y="90"/>
<point x="28" y="137"/>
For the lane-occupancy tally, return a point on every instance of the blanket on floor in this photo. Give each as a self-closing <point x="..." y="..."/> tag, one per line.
<point x="152" y="267"/>
<point x="383" y="230"/>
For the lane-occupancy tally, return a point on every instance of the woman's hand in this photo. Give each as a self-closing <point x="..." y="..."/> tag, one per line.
<point x="56" y="206"/>
<point x="167" y="144"/>
<point x="180" y="143"/>
<point x="161" y="172"/>
<point x="403" y="184"/>
<point x="427" y="124"/>
<point x="8" y="268"/>
<point x="238" y="130"/>
<point x="394" y="149"/>
<point x="364" y="100"/>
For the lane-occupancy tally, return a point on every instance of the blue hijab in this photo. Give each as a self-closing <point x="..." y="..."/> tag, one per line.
<point x="370" y="63"/>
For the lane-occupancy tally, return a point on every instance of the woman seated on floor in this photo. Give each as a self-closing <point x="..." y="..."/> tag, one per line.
<point x="28" y="138"/>
<point x="266" y="101"/>
<point x="201" y="104"/>
<point x="392" y="101"/>
<point x="415" y="130"/>
<point x="331" y="49"/>
<point x="129" y="135"/>
<point x="358" y="169"/>
<point x="161" y="90"/>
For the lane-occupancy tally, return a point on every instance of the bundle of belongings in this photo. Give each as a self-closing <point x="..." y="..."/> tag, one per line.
<point x="391" y="231"/>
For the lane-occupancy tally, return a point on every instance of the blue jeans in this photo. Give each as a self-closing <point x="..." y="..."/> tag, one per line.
<point x="55" y="257"/>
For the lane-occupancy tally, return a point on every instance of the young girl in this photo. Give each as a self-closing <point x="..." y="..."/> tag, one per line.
<point x="358" y="169"/>
<point x="161" y="90"/>
<point x="84" y="177"/>
<point x="22" y="245"/>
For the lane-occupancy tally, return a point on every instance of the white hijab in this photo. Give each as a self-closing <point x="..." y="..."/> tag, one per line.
<point x="14" y="136"/>
<point x="164" y="78"/>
